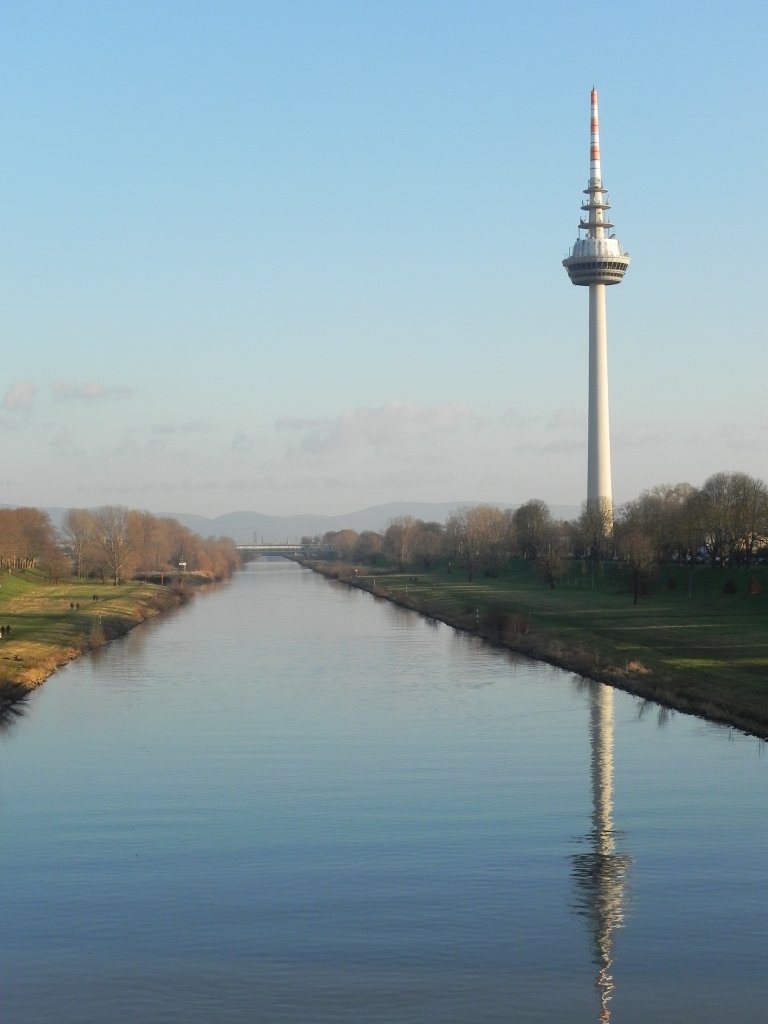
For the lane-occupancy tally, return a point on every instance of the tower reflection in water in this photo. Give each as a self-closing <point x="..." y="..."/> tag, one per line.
<point x="600" y="875"/>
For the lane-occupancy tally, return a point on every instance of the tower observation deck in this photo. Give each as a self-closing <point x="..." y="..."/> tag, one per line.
<point x="595" y="260"/>
<point x="596" y="257"/>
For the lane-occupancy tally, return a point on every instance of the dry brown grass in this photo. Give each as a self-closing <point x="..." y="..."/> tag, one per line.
<point x="53" y="623"/>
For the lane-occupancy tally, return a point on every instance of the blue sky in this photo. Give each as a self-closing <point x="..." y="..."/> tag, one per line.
<point x="306" y="257"/>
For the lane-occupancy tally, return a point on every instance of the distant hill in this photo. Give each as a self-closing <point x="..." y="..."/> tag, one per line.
<point x="245" y="527"/>
<point x="250" y="527"/>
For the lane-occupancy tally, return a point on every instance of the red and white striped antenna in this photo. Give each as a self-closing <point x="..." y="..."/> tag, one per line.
<point x="595" y="177"/>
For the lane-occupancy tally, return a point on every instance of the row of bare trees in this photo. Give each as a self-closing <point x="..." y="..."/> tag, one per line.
<point x="480" y="538"/>
<point x="724" y="521"/>
<point x="119" y="542"/>
<point x="27" y="538"/>
<point x="111" y="542"/>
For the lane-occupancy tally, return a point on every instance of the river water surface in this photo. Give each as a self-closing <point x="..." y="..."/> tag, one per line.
<point x="293" y="802"/>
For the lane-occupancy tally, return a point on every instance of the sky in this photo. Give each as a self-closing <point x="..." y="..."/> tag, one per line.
<point x="306" y="256"/>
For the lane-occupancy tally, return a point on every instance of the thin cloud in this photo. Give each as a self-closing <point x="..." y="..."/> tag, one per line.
<point x="132" y="444"/>
<point x="66" y="391"/>
<point x="188" y="427"/>
<point x="548" y="448"/>
<point x="744" y="439"/>
<point x="513" y="417"/>
<point x="164" y="440"/>
<point x="566" y="419"/>
<point x="395" y="425"/>
<point x="642" y="438"/>
<point x="20" y="397"/>
<point x="301" y="423"/>
<point x="243" y="443"/>
<point x="364" y="476"/>
<point x="62" y="445"/>
<point x="154" y="486"/>
<point x="195" y="427"/>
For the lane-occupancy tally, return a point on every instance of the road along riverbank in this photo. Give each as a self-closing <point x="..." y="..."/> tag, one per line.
<point x="698" y="643"/>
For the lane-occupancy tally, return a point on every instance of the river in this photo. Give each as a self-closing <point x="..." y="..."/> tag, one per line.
<point x="292" y="802"/>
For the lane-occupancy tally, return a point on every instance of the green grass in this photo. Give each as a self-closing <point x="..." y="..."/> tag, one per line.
<point x="707" y="652"/>
<point x="46" y="632"/>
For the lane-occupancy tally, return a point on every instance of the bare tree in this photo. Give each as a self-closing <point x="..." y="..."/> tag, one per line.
<point x="81" y="533"/>
<point x="462" y="539"/>
<point x="342" y="542"/>
<point x="636" y="545"/>
<point x="664" y="514"/>
<point x="531" y="522"/>
<point x="368" y="547"/>
<point x="752" y="516"/>
<point x="56" y="562"/>
<point x="731" y="510"/>
<point x="427" y="545"/>
<point x="117" y="537"/>
<point x="553" y="551"/>
<point x="492" y="530"/>
<point x="596" y="527"/>
<point x="399" y="537"/>
<point x="26" y="538"/>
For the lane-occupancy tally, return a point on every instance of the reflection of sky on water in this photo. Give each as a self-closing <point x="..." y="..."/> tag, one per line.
<point x="600" y="875"/>
<point x="297" y="802"/>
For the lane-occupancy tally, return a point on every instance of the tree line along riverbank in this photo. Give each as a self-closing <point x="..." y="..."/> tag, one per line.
<point x="696" y="641"/>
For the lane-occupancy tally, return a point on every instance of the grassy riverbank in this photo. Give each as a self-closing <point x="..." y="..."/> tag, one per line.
<point x="697" y="642"/>
<point x="52" y="623"/>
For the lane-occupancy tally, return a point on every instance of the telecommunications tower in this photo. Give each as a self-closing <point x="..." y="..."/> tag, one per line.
<point x="597" y="260"/>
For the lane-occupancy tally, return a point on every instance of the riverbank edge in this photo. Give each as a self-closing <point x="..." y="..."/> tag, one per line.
<point x="541" y="648"/>
<point x="32" y="666"/>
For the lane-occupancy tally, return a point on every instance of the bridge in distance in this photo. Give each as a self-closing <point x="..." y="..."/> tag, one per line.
<point x="271" y="549"/>
<point x="249" y="551"/>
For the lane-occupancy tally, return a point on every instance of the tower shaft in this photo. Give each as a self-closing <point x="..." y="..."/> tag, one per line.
<point x="599" y="491"/>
